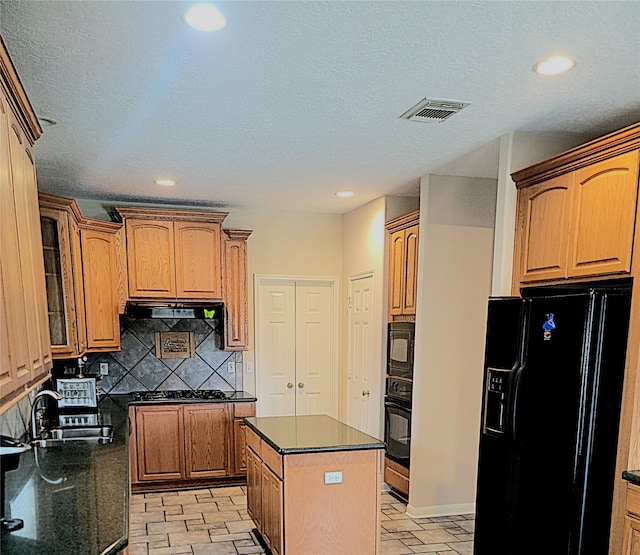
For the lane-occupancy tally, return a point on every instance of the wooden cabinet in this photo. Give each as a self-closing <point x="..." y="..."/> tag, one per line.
<point x="403" y="266"/>
<point x="396" y="476"/>
<point x="240" y="410"/>
<point x="265" y="491"/>
<point x="173" y="254"/>
<point x="185" y="444"/>
<point x="160" y="442"/>
<point x="579" y="223"/>
<point x="631" y="544"/>
<point x="293" y="505"/>
<point x="84" y="277"/>
<point x="236" y="326"/>
<point x="26" y="351"/>
<point x="208" y="441"/>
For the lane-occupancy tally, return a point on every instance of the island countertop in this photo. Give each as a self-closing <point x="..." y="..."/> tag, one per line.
<point x="309" y="434"/>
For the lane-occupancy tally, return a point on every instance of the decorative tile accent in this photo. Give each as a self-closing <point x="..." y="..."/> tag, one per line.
<point x="136" y="368"/>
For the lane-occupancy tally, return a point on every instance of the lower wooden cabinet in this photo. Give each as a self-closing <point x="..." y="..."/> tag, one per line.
<point x="185" y="444"/>
<point x="632" y="522"/>
<point x="396" y="476"/>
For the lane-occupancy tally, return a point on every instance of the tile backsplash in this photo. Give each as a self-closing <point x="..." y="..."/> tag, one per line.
<point x="136" y="367"/>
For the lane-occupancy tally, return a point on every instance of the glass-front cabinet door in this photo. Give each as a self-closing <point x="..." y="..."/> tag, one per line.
<point x="57" y="245"/>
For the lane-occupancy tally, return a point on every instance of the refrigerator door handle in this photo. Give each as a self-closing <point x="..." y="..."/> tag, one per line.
<point x="515" y="396"/>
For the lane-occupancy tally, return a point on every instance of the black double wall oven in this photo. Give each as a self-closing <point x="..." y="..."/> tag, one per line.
<point x="397" y="402"/>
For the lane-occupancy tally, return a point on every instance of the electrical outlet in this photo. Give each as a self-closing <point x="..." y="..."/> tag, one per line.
<point x="249" y="367"/>
<point x="231" y="367"/>
<point x="333" y="477"/>
<point x="104" y="368"/>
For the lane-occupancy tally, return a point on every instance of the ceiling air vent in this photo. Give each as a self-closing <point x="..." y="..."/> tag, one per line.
<point x="429" y="110"/>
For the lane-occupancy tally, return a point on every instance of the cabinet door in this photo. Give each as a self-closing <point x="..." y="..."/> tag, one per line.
<point x="15" y="368"/>
<point x="240" y="410"/>
<point x="604" y="206"/>
<point x="543" y="221"/>
<point x="272" y="510"/>
<point x="197" y="255"/>
<point x="254" y="488"/>
<point x="631" y="536"/>
<point x="30" y="248"/>
<point x="59" y="280"/>
<point x="150" y="258"/>
<point x="160" y="438"/>
<point x="100" y="270"/>
<point x="396" y="272"/>
<point x="236" y="329"/>
<point x="208" y="440"/>
<point x="410" y="270"/>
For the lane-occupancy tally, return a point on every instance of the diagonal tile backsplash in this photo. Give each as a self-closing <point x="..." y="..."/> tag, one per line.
<point x="136" y="367"/>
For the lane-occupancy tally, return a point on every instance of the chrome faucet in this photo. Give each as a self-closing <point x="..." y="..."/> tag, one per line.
<point x="35" y="414"/>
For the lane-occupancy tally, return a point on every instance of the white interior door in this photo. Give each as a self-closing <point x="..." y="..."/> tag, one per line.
<point x="275" y="352"/>
<point x="363" y="372"/>
<point x="295" y="355"/>
<point x="314" y="351"/>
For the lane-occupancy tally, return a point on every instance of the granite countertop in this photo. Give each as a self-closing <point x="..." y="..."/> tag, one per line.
<point x="232" y="397"/>
<point x="73" y="499"/>
<point x="308" y="434"/>
<point x="632" y="476"/>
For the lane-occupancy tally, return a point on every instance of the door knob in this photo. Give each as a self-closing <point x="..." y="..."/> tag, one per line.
<point x="366" y="393"/>
<point x="289" y="385"/>
<point x="300" y="385"/>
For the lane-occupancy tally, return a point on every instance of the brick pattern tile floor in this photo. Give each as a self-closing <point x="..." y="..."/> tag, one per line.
<point x="214" y="521"/>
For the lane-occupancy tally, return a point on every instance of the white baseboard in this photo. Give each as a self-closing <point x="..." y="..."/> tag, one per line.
<point x="441" y="510"/>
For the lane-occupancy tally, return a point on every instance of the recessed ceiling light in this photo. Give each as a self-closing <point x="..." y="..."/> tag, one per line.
<point x="554" y="65"/>
<point x="344" y="194"/>
<point x="47" y="122"/>
<point x="165" y="182"/>
<point x="205" y="17"/>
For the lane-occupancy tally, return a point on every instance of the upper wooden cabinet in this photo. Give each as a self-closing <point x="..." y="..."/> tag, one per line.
<point x="24" y="331"/>
<point x="85" y="279"/>
<point x="173" y="254"/>
<point x="403" y="266"/>
<point x="236" y="327"/>
<point x="576" y="213"/>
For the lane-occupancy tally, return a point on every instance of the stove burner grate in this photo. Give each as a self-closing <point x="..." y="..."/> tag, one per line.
<point x="184" y="394"/>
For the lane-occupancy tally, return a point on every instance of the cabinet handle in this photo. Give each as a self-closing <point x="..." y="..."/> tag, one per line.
<point x="300" y="385"/>
<point x="289" y="385"/>
<point x="366" y="393"/>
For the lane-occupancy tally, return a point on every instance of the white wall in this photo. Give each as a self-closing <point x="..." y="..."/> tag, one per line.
<point x="364" y="251"/>
<point x="454" y="279"/>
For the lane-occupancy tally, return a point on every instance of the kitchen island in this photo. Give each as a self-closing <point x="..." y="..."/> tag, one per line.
<point x="314" y="485"/>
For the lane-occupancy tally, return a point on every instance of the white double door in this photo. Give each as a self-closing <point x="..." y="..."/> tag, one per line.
<point x="296" y="351"/>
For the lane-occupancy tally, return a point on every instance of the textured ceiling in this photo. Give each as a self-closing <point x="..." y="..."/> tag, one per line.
<point x="293" y="101"/>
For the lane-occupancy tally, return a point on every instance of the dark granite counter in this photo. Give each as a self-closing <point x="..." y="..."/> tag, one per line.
<point x="308" y="434"/>
<point x="632" y="476"/>
<point x="73" y="499"/>
<point x="232" y="397"/>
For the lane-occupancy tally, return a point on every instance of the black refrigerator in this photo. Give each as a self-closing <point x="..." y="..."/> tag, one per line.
<point x="554" y="368"/>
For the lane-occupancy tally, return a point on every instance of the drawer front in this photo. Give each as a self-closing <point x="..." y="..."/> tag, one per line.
<point x="633" y="499"/>
<point x="272" y="459"/>
<point x="240" y="410"/>
<point x="253" y="441"/>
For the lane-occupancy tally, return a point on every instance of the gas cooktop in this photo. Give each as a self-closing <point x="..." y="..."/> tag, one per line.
<point x="185" y="394"/>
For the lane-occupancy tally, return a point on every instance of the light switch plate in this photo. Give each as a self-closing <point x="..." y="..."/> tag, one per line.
<point x="104" y="368"/>
<point x="333" y="477"/>
<point x="249" y="367"/>
<point x="231" y="367"/>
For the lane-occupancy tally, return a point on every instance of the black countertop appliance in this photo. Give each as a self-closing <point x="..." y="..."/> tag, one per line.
<point x="554" y="368"/>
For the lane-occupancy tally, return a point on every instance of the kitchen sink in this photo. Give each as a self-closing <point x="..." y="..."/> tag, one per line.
<point x="74" y="435"/>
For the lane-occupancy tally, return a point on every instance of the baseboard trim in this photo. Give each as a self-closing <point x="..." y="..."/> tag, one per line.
<point x="440" y="510"/>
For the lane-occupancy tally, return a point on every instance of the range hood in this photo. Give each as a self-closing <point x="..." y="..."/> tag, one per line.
<point x="170" y="310"/>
